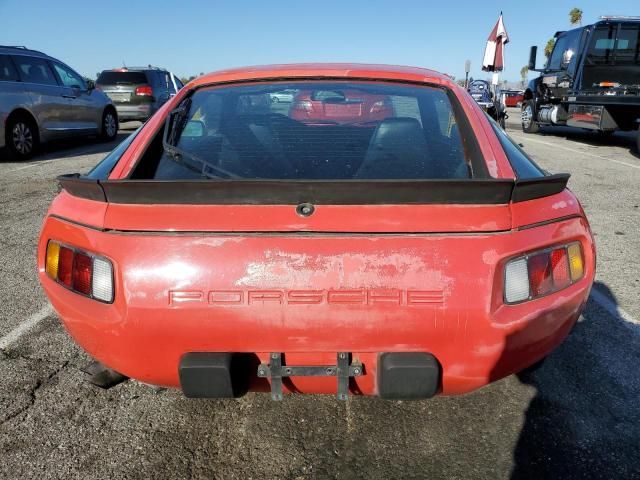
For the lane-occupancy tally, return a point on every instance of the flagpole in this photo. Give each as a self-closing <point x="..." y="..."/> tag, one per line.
<point x="497" y="74"/>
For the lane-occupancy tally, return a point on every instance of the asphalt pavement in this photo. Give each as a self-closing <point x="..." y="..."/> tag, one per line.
<point x="575" y="417"/>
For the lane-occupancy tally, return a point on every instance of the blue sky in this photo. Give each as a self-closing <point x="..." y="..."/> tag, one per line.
<point x="189" y="37"/>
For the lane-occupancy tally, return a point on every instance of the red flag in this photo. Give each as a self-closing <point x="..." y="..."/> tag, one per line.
<point x="494" y="52"/>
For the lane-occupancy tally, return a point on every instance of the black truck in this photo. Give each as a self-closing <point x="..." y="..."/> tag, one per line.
<point x="591" y="80"/>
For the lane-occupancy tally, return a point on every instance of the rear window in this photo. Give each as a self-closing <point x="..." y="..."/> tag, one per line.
<point x="329" y="130"/>
<point x="613" y="45"/>
<point x="628" y="45"/>
<point x="121" y="78"/>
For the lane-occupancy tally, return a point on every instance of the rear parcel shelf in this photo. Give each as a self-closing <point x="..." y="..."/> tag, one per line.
<point x="328" y="192"/>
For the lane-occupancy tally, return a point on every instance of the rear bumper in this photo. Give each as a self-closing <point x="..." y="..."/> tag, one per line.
<point x="461" y="321"/>
<point x="147" y="349"/>
<point x="134" y="112"/>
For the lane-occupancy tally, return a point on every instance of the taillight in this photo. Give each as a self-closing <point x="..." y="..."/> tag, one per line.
<point x="80" y="271"/>
<point x="576" y="261"/>
<point x="543" y="272"/>
<point x="65" y="266"/>
<point x="144" y="91"/>
<point x="102" y="279"/>
<point x="560" y="268"/>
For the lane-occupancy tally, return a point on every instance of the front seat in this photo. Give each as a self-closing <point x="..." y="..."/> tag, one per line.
<point x="398" y="149"/>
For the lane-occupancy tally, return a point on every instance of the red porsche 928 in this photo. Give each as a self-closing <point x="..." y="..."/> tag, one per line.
<point x="230" y="246"/>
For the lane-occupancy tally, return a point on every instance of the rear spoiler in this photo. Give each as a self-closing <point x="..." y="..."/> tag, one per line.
<point x="327" y="192"/>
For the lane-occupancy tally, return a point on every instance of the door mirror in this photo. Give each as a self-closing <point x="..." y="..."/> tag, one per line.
<point x="91" y="85"/>
<point x="533" y="53"/>
<point x="193" y="129"/>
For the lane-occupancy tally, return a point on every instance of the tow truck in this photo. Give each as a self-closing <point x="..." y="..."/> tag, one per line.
<point x="591" y="80"/>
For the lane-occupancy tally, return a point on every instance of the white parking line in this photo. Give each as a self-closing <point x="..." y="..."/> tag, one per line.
<point x="42" y="162"/>
<point x="527" y="138"/>
<point x="612" y="307"/>
<point x="25" y="326"/>
<point x="82" y="153"/>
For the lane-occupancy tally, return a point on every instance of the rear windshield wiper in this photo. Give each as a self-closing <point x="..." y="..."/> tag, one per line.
<point x="204" y="168"/>
<point x="175" y="124"/>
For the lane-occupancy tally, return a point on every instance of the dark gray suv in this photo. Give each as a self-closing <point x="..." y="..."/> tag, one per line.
<point x="41" y="98"/>
<point x="138" y="92"/>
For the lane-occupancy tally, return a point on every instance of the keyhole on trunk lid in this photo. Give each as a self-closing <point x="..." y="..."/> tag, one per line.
<point x="305" y="209"/>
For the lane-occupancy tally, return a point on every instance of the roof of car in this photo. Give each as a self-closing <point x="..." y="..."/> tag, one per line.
<point x="136" y="69"/>
<point x="330" y="70"/>
<point x="20" y="50"/>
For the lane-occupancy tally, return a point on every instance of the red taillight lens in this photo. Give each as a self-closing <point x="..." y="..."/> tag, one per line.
<point x="144" y="91"/>
<point x="540" y="277"/>
<point x="82" y="272"/>
<point x="560" y="268"/>
<point x="65" y="266"/>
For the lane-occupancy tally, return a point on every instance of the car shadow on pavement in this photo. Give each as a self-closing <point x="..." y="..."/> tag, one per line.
<point x="617" y="139"/>
<point x="71" y="147"/>
<point x="583" y="420"/>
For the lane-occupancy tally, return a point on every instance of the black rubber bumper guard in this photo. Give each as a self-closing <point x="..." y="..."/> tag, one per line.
<point x="275" y="371"/>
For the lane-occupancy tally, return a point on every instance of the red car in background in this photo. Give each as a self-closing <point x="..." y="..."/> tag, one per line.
<point x="340" y="106"/>
<point x="513" y="98"/>
<point x="227" y="246"/>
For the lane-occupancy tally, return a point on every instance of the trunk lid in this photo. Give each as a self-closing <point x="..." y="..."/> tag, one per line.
<point x="409" y="219"/>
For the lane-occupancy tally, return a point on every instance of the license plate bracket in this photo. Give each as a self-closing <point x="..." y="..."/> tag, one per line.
<point x="343" y="370"/>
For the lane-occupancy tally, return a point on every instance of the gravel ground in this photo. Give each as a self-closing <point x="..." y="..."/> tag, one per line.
<point x="575" y="417"/>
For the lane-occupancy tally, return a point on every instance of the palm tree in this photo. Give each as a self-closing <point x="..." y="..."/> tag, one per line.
<point x="524" y="71"/>
<point x="575" y="16"/>
<point x="548" y="48"/>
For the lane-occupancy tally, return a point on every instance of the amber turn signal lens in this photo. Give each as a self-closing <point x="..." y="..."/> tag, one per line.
<point x="53" y="257"/>
<point x="576" y="262"/>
